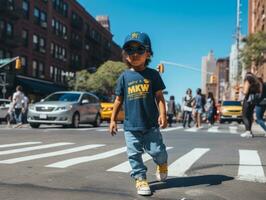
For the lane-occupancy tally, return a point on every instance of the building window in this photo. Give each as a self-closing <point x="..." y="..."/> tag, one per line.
<point x="35" y="42"/>
<point x="25" y="8"/>
<point x="25" y="37"/>
<point x="61" y="7"/>
<point x="34" y="68"/>
<point x="51" y="72"/>
<point x="24" y="63"/>
<point x="9" y="29"/>
<point x="41" y="70"/>
<point x="42" y="45"/>
<point x="40" y="17"/>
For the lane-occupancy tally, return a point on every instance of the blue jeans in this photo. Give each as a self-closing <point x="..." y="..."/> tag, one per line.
<point x="259" y="116"/>
<point x="152" y="142"/>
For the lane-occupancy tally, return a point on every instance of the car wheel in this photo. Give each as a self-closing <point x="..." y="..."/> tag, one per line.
<point x="97" y="121"/>
<point x="34" y="125"/>
<point x="75" y="121"/>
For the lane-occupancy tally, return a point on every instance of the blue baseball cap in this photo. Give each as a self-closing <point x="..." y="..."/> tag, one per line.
<point x="139" y="37"/>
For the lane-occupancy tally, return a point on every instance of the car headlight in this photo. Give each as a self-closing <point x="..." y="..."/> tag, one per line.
<point x="64" y="108"/>
<point x="31" y="107"/>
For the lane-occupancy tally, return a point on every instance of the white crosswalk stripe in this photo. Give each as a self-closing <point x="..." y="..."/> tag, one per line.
<point x="171" y="129"/>
<point x="19" y="144"/>
<point x="180" y="166"/>
<point x="213" y="129"/>
<point x="233" y="129"/>
<point x="55" y="153"/>
<point x="125" y="166"/>
<point x="250" y="167"/>
<point x="84" y="159"/>
<point x="34" y="148"/>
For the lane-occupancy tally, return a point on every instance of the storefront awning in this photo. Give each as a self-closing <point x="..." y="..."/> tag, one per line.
<point x="31" y="85"/>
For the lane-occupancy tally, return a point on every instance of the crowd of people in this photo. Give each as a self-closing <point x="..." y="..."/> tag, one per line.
<point x="198" y="108"/>
<point x="194" y="109"/>
<point x="18" y="109"/>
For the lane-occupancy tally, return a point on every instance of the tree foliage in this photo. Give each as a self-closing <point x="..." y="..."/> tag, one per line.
<point x="254" y="51"/>
<point x="102" y="81"/>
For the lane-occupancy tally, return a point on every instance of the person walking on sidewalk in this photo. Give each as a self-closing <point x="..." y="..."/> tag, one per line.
<point x="199" y="107"/>
<point x="187" y="108"/>
<point x="171" y="111"/>
<point x="18" y="97"/>
<point x="252" y="89"/>
<point x="261" y="107"/>
<point x="140" y="88"/>
<point x="210" y="108"/>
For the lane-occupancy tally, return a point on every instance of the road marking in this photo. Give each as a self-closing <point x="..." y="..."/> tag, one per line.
<point x="34" y="148"/>
<point x="213" y="129"/>
<point x="125" y="166"/>
<point x="250" y="167"/>
<point x="171" y="129"/>
<point x="106" y="129"/>
<point x="233" y="129"/>
<point x="18" y="144"/>
<point x="51" y="154"/>
<point x="193" y="129"/>
<point x="75" y="161"/>
<point x="180" y="166"/>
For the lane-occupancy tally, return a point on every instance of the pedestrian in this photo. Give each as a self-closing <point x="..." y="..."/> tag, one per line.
<point x="140" y="88"/>
<point x="187" y="108"/>
<point x="10" y="116"/>
<point x="252" y="90"/>
<point x="18" y="97"/>
<point x="199" y="107"/>
<point x="261" y="107"/>
<point x="210" y="108"/>
<point x="171" y="111"/>
<point x="25" y="108"/>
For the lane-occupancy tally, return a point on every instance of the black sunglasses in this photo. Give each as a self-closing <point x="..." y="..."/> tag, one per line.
<point x="132" y="50"/>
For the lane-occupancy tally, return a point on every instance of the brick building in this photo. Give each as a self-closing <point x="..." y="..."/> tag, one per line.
<point x="256" y="23"/>
<point x="54" y="38"/>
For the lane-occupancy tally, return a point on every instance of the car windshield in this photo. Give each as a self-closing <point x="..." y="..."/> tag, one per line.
<point x="68" y="97"/>
<point x="231" y="103"/>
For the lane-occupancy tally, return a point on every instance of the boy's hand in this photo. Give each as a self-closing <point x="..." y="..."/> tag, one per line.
<point x="162" y="121"/>
<point x="113" y="128"/>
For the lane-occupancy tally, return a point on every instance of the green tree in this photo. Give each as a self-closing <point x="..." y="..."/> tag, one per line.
<point x="102" y="81"/>
<point x="254" y="51"/>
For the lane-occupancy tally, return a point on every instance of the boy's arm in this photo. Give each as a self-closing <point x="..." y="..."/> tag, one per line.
<point x="117" y="105"/>
<point x="162" y="110"/>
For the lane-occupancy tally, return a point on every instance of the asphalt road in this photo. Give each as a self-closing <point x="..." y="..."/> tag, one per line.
<point x="76" y="164"/>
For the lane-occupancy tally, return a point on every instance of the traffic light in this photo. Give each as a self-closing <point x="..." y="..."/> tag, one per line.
<point x="213" y="79"/>
<point x="18" y="64"/>
<point x="160" y="68"/>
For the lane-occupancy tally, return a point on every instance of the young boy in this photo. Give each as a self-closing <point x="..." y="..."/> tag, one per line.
<point x="140" y="88"/>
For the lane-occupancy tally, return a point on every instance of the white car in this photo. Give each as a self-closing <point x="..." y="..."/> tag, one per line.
<point x="4" y="106"/>
<point x="69" y="108"/>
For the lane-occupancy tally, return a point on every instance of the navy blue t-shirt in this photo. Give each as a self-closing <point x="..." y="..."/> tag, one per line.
<point x="138" y="89"/>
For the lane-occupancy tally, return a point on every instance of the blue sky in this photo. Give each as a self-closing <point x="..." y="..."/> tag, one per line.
<point x="180" y="31"/>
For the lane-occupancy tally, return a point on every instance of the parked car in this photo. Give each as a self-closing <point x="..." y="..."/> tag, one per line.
<point x="231" y="111"/>
<point x="4" y="106"/>
<point x="106" y="112"/>
<point x="69" y="108"/>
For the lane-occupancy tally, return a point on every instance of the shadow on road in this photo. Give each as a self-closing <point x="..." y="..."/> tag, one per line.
<point x="208" y="180"/>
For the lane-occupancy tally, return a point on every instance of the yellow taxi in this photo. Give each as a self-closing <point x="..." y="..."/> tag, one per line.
<point x="106" y="112"/>
<point x="231" y="111"/>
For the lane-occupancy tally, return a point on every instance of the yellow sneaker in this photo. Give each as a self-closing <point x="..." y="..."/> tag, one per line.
<point x="143" y="187"/>
<point x="162" y="172"/>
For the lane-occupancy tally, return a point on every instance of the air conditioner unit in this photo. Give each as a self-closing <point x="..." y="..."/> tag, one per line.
<point x="61" y="57"/>
<point x="44" y="24"/>
<point x="42" y="50"/>
<point x="65" y="37"/>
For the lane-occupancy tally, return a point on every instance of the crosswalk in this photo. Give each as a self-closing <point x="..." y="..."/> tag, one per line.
<point x="250" y="167"/>
<point x="205" y="129"/>
<point x="217" y="128"/>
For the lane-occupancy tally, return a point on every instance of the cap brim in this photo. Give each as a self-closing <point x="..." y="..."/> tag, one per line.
<point x="130" y="41"/>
